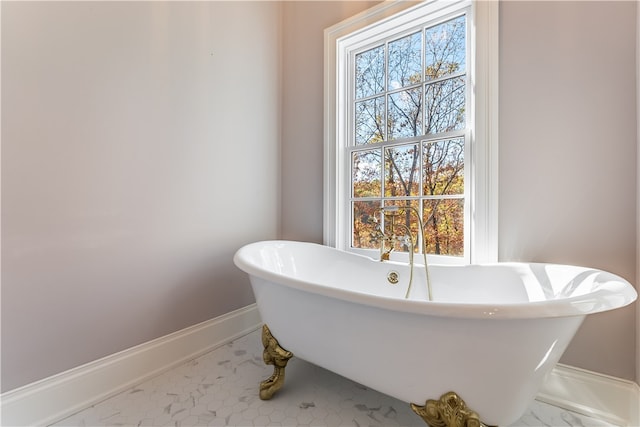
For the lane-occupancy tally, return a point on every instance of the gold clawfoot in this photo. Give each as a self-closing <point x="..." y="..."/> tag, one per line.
<point x="278" y="357"/>
<point x="449" y="411"/>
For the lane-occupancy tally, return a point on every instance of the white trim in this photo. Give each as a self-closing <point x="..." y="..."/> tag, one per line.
<point x="485" y="178"/>
<point x="596" y="395"/>
<point x="54" y="398"/>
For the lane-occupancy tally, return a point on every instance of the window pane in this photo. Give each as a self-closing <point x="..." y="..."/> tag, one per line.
<point x="445" y="106"/>
<point x="405" y="114"/>
<point x="370" y="72"/>
<point x="444" y="226"/>
<point x="405" y="61"/>
<point x="443" y="167"/>
<point x="401" y="171"/>
<point x="366" y="173"/>
<point x="402" y="221"/>
<point x="445" y="49"/>
<point x="406" y="87"/>
<point x="369" y="123"/>
<point x="363" y="231"/>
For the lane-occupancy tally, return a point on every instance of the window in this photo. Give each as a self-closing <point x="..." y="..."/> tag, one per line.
<point x="403" y="127"/>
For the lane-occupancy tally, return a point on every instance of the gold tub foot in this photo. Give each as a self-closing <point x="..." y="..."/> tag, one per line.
<point x="449" y="411"/>
<point x="274" y="355"/>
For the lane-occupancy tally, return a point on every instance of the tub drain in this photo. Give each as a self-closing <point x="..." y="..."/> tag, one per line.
<point x="392" y="277"/>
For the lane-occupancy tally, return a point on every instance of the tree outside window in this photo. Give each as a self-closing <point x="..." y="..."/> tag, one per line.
<point x="409" y="135"/>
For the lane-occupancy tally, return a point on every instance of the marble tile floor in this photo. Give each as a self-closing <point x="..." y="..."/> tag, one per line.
<point x="220" y="388"/>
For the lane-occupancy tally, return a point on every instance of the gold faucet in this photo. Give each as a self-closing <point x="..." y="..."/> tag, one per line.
<point x="384" y="253"/>
<point x="392" y="238"/>
<point x="383" y="238"/>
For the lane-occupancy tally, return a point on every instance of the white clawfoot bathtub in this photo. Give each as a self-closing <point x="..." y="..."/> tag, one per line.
<point x="491" y="333"/>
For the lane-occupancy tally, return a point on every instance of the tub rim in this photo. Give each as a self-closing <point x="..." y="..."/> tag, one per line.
<point x="613" y="293"/>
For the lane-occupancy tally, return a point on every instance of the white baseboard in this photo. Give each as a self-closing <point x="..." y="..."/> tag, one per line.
<point x="54" y="398"/>
<point x="44" y="402"/>
<point x="596" y="395"/>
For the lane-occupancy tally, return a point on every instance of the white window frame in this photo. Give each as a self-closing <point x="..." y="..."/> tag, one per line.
<point x="394" y="17"/>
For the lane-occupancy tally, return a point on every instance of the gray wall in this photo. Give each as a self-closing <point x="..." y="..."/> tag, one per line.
<point x="638" y="189"/>
<point x="140" y="149"/>
<point x="119" y="212"/>
<point x="568" y="153"/>
<point x="302" y="111"/>
<point x="567" y="147"/>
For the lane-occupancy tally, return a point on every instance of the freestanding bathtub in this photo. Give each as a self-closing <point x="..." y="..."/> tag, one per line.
<point x="490" y="334"/>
